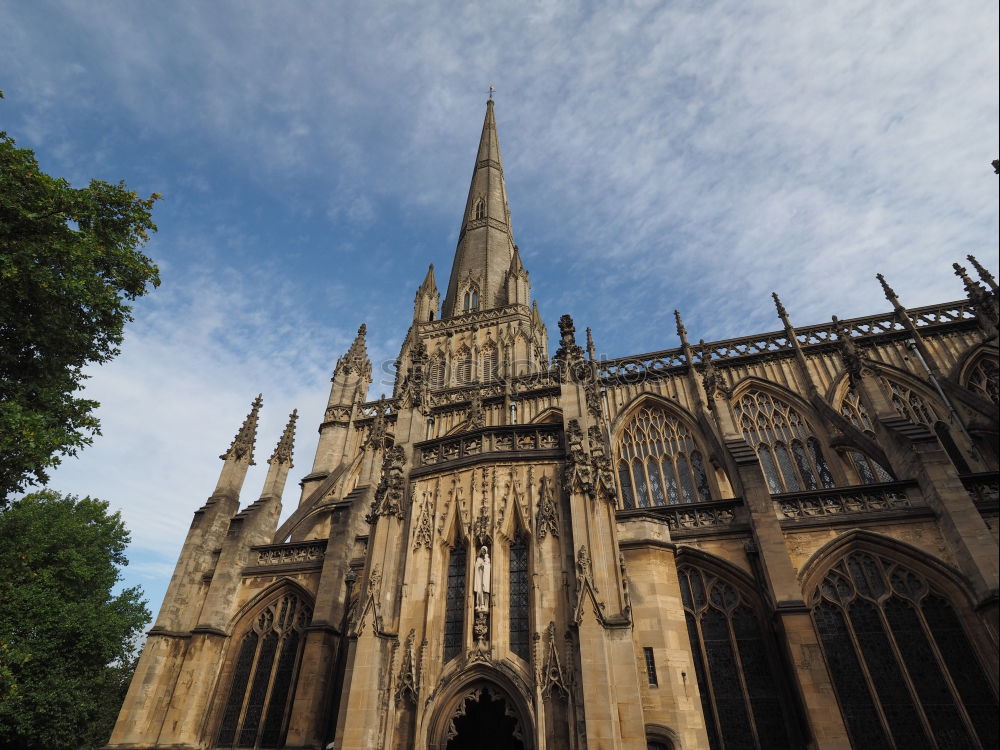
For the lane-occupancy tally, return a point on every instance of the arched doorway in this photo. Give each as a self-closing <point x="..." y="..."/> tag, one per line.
<point x="484" y="719"/>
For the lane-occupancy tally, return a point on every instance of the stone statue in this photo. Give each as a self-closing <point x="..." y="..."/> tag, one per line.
<point x="481" y="580"/>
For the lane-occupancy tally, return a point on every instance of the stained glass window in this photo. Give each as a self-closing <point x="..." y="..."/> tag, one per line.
<point x="982" y="378"/>
<point x="454" y="605"/>
<point x="658" y="461"/>
<point x="869" y="470"/>
<point x="790" y="456"/>
<point x="742" y="703"/>
<point x="519" y="594"/>
<point x="255" y="713"/>
<point x="902" y="665"/>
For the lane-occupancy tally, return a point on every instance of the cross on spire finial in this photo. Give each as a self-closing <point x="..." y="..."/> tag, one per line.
<point x="492" y="90"/>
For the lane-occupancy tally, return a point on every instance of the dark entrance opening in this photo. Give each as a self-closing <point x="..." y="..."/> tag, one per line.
<point x="485" y="723"/>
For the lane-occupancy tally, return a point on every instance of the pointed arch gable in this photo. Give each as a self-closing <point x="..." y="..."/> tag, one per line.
<point x="553" y="414"/>
<point x="688" y="555"/>
<point x="629" y="410"/>
<point x="833" y="551"/>
<point x="457" y="684"/>
<point x="252" y="607"/>
<point x="754" y="382"/>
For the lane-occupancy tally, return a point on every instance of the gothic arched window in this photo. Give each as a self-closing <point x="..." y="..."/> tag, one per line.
<point x="658" y="461"/>
<point x="740" y="695"/>
<point x="903" y="667"/>
<point x="789" y="453"/>
<point x="471" y="300"/>
<point x="479" y="210"/>
<point x="869" y="470"/>
<point x="454" y="602"/>
<point x="910" y="404"/>
<point x="260" y="694"/>
<point x="518" y="591"/>
<point x="982" y="378"/>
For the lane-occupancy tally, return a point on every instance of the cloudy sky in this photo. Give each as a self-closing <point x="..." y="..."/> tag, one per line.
<point x="315" y="157"/>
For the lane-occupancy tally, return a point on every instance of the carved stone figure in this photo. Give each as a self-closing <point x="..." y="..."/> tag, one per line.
<point x="481" y="580"/>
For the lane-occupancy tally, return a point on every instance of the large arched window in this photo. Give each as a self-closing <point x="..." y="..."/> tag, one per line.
<point x="518" y="591"/>
<point x="260" y="694"/>
<point x="869" y="470"/>
<point x="904" y="669"/>
<point x="912" y="406"/>
<point x="789" y="454"/>
<point x="658" y="461"/>
<point x="740" y="694"/>
<point x="982" y="378"/>
<point x="454" y="602"/>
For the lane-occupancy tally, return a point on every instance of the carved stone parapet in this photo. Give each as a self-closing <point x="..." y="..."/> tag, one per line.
<point x="844" y="501"/>
<point x="291" y="554"/>
<point x="506" y="442"/>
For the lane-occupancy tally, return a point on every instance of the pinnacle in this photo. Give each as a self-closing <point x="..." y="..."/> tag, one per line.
<point x="243" y="444"/>
<point x="286" y="443"/>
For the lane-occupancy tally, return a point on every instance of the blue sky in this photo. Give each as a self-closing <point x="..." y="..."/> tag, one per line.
<point x="315" y="157"/>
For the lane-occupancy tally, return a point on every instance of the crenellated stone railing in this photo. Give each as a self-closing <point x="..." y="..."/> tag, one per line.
<point x="845" y="501"/>
<point x="984" y="488"/>
<point x="635" y="368"/>
<point x="511" y="441"/>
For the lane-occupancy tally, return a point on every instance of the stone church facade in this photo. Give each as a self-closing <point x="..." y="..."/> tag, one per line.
<point x="785" y="540"/>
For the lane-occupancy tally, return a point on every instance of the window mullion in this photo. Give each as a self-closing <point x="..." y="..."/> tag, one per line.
<point x="270" y="687"/>
<point x="706" y="670"/>
<point x="743" y="680"/>
<point x="942" y="665"/>
<point x="248" y="688"/>
<point x="863" y="663"/>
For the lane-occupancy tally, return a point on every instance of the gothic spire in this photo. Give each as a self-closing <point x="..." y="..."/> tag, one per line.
<point x="427" y="299"/>
<point x="243" y="444"/>
<point x="356" y="358"/>
<point x="984" y="274"/>
<point x="485" y="242"/>
<point x="286" y="443"/>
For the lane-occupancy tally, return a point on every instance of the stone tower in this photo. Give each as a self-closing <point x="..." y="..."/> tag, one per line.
<point x="783" y="540"/>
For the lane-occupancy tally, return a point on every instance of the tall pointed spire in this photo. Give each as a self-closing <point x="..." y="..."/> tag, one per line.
<point x="239" y="457"/>
<point x="246" y="437"/>
<point x="356" y="359"/>
<point x="427" y="299"/>
<point x="281" y="460"/>
<point x="984" y="274"/>
<point x="485" y="241"/>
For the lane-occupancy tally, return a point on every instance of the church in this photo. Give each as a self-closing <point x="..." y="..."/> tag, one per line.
<point x="782" y="540"/>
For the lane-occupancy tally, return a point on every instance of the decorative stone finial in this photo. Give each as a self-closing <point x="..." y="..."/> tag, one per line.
<point x="286" y="443"/>
<point x="243" y="444"/>
<point x="984" y="274"/>
<point x="356" y="359"/>
<point x="782" y="312"/>
<point x="890" y="294"/>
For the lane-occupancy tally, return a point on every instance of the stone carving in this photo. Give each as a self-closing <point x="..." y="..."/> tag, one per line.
<point x="371" y="604"/>
<point x="713" y="382"/>
<point x="569" y="356"/>
<point x="583" y="569"/>
<point x="425" y="526"/>
<point x="842" y="503"/>
<point x="286" y="444"/>
<point x="578" y="475"/>
<point x="593" y="397"/>
<point x="337" y="414"/>
<point x="853" y="362"/>
<point x="481" y="580"/>
<point x="626" y="586"/>
<point x="547" y="518"/>
<point x="291" y="554"/>
<point x="406" y="685"/>
<point x="481" y="530"/>
<point x="553" y="678"/>
<point x="694" y="516"/>
<point x="475" y="419"/>
<point x="377" y="429"/>
<point x="531" y="437"/>
<point x="389" y="494"/>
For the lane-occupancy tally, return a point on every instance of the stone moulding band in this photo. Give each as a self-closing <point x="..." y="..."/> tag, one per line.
<point x="511" y="442"/>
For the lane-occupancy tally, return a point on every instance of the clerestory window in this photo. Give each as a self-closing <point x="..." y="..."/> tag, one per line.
<point x="869" y="470"/>
<point x="789" y="454"/>
<point x="658" y="461"/>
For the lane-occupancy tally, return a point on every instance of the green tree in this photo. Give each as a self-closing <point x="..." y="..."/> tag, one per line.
<point x="69" y="264"/>
<point x="67" y="642"/>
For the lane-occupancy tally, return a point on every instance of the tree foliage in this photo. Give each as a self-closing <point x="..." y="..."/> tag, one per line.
<point x="69" y="264"/>
<point x="67" y="643"/>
